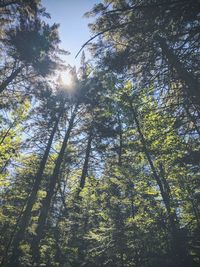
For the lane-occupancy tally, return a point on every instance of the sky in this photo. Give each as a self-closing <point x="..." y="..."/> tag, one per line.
<point x="74" y="31"/>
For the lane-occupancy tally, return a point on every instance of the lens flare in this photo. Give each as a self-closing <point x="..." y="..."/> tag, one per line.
<point x="66" y="78"/>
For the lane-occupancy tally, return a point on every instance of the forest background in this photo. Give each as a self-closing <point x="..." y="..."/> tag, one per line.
<point x="100" y="163"/>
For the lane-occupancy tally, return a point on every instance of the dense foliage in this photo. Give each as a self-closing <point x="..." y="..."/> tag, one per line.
<point x="103" y="171"/>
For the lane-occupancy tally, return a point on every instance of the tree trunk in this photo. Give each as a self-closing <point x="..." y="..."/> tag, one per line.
<point x="50" y="193"/>
<point x="9" y="79"/>
<point x="120" y="140"/>
<point x="176" y="245"/>
<point x="86" y="161"/>
<point x="78" y="223"/>
<point x="31" y="200"/>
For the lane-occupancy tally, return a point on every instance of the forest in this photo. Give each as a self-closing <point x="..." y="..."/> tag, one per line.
<point x="104" y="170"/>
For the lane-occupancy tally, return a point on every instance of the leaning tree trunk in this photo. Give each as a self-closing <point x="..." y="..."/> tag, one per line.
<point x="192" y="85"/>
<point x="78" y="223"/>
<point x="82" y="185"/>
<point x="24" y="221"/>
<point x="177" y="246"/>
<point x="86" y="161"/>
<point x="50" y="193"/>
<point x="120" y="140"/>
<point x="9" y="79"/>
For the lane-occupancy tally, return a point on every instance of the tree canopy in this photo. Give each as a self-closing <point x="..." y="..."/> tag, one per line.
<point x="103" y="171"/>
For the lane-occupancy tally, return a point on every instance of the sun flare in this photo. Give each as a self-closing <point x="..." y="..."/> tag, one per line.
<point x="66" y="78"/>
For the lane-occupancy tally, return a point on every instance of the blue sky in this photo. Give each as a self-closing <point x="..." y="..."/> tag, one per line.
<point x="73" y="27"/>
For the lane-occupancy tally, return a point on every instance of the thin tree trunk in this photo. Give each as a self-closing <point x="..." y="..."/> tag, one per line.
<point x="75" y="229"/>
<point x="50" y="193"/>
<point x="86" y="161"/>
<point x="176" y="245"/>
<point x="84" y="173"/>
<point x="9" y="79"/>
<point x="120" y="140"/>
<point x="31" y="200"/>
<point x="6" y="133"/>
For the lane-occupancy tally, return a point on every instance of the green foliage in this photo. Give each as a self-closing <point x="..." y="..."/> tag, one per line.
<point x="106" y="174"/>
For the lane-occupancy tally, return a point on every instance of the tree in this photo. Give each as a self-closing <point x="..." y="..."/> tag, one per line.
<point x="39" y="52"/>
<point x="164" y="38"/>
<point x="25" y="217"/>
<point x="104" y="171"/>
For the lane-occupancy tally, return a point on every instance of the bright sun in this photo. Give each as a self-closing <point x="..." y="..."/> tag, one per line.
<point x="66" y="78"/>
